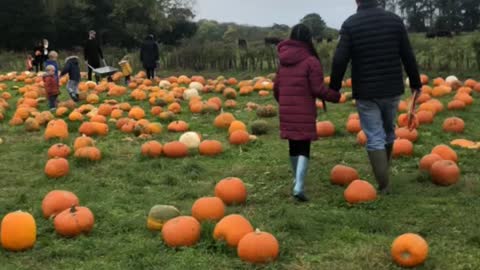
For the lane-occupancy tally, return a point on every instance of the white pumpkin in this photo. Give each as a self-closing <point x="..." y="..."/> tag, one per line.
<point x="190" y="139"/>
<point x="196" y="85"/>
<point x="190" y="93"/>
<point x="451" y="79"/>
<point x="165" y="84"/>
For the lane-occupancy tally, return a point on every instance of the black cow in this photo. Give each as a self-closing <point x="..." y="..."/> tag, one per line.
<point x="272" y="41"/>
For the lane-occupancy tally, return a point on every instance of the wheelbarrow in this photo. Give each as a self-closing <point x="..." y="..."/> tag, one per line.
<point x="102" y="72"/>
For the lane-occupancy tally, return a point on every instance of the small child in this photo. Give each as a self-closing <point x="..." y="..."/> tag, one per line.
<point x="51" y="87"/>
<point x="72" y="68"/>
<point x="52" y="61"/>
<point x="29" y="63"/>
<point x="126" y="69"/>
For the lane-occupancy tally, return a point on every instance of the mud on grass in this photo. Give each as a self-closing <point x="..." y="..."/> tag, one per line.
<point x="323" y="234"/>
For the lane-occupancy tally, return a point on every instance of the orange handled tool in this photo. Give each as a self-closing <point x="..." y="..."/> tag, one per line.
<point x="412" y="117"/>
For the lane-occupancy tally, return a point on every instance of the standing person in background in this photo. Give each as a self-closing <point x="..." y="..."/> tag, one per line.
<point x="93" y="54"/>
<point x="38" y="57"/>
<point x="377" y="43"/>
<point x="29" y="63"/>
<point x="45" y="50"/>
<point x="149" y="56"/>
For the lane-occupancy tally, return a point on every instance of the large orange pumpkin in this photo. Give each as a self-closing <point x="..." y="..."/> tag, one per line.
<point x="18" y="231"/>
<point x="178" y="126"/>
<point x="59" y="150"/>
<point x="454" y="125"/>
<point x="427" y="161"/>
<point x="237" y="125"/>
<point x="425" y="117"/>
<point x="445" y="173"/>
<point x="83" y="141"/>
<point x="232" y="229"/>
<point x="405" y="133"/>
<point x="74" y="221"/>
<point x="56" y="201"/>
<point x="208" y="209"/>
<point x="239" y="137"/>
<point x="445" y="152"/>
<point x="456" y="105"/>
<point x="409" y="250"/>
<point x="343" y="175"/>
<point x="361" y="138"/>
<point x="353" y="126"/>
<point x="57" y="167"/>
<point x="360" y="191"/>
<point x="88" y="153"/>
<point x="258" y="248"/>
<point x="56" y="129"/>
<point x="231" y="190"/>
<point x="181" y="231"/>
<point x="402" y="148"/>
<point x="152" y="149"/>
<point x="224" y="120"/>
<point x="210" y="148"/>
<point x="325" y="129"/>
<point x="175" y="150"/>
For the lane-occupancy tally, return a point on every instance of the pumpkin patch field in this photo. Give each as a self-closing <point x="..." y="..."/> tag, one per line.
<point x="188" y="172"/>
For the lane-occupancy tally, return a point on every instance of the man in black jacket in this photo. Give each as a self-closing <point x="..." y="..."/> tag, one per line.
<point x="377" y="43"/>
<point x="72" y="68"/>
<point x="93" y="53"/>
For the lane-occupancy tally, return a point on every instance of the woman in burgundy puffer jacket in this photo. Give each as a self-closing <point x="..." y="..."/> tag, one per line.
<point x="299" y="82"/>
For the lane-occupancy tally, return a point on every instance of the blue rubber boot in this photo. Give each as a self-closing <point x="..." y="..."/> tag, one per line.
<point x="301" y="174"/>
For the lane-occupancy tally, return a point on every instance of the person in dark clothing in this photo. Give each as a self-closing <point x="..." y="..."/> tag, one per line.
<point x="93" y="54"/>
<point x="38" y="58"/>
<point x="377" y="44"/>
<point x="72" y="68"/>
<point x="298" y="83"/>
<point x="51" y="87"/>
<point x="149" y="56"/>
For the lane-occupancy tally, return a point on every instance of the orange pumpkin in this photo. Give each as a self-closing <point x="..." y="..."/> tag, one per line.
<point x="208" y="209"/>
<point x="405" y="133"/>
<point x="56" y="168"/>
<point x="445" y="173"/>
<point x="325" y="129"/>
<point x="402" y="148"/>
<point x="175" y="108"/>
<point x="237" y="125"/>
<point x="178" y="126"/>
<point x="258" y="248"/>
<point x="88" y="153"/>
<point x="175" y="150"/>
<point x="210" y="148"/>
<point x="56" y="129"/>
<point x="231" y="190"/>
<point x="343" y="175"/>
<point x="224" y="120"/>
<point x="232" y="229"/>
<point x="181" y="231"/>
<point x="445" y="152"/>
<point x="136" y="113"/>
<point x="353" y="126"/>
<point x="83" y="141"/>
<point x="360" y="191"/>
<point x="427" y="161"/>
<point x="18" y="231"/>
<point x="74" y="221"/>
<point x="409" y="250"/>
<point x="425" y="117"/>
<point x="454" y="125"/>
<point x="151" y="149"/>
<point x="59" y="150"/>
<point x="239" y="137"/>
<point x="456" y="105"/>
<point x="56" y="201"/>
<point x="361" y="138"/>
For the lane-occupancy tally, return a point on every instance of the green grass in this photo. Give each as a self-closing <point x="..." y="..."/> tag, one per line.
<point x="326" y="233"/>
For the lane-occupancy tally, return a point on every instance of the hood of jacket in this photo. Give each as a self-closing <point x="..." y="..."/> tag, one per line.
<point x="292" y="52"/>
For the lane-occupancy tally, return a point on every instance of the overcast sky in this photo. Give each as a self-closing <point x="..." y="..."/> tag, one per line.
<point x="267" y="12"/>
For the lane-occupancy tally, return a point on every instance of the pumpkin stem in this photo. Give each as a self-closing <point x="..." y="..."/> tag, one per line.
<point x="73" y="209"/>
<point x="257" y="231"/>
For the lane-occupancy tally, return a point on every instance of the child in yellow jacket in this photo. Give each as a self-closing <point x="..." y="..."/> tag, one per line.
<point x="126" y="69"/>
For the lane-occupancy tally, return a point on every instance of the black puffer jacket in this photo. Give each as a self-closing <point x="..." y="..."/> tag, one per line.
<point x="71" y="67"/>
<point x="149" y="54"/>
<point x="377" y="43"/>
